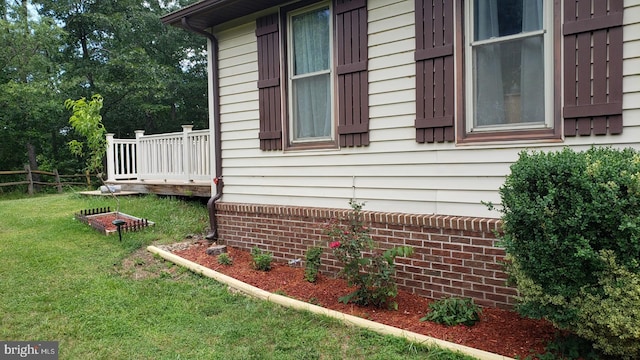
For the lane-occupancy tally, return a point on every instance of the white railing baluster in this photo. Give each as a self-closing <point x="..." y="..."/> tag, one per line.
<point x="139" y="155"/>
<point x="123" y="168"/>
<point x="186" y="152"/>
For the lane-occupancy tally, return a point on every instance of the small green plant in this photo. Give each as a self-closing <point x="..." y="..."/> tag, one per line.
<point x="87" y="121"/>
<point x="373" y="274"/>
<point x="453" y="311"/>
<point x="261" y="259"/>
<point x="314" y="300"/>
<point x="225" y="259"/>
<point x="312" y="264"/>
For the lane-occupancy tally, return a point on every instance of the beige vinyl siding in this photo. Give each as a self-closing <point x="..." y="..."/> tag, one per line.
<point x="391" y="73"/>
<point x="393" y="173"/>
<point x="238" y="72"/>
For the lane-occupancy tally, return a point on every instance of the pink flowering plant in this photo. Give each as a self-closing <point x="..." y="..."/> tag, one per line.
<point x="370" y="270"/>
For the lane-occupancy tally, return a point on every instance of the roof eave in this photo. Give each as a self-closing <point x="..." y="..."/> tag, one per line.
<point x="175" y="18"/>
<point x="209" y="13"/>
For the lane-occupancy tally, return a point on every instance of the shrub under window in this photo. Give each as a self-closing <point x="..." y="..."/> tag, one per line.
<point x="572" y="235"/>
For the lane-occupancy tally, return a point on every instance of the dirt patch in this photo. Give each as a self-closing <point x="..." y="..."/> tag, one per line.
<point x="142" y="264"/>
<point x="499" y="331"/>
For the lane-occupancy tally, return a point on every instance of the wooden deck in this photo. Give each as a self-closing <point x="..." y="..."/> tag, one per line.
<point x="165" y="164"/>
<point x="168" y="187"/>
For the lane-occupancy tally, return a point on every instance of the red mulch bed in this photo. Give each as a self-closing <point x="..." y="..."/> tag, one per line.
<point x="104" y="222"/>
<point x="499" y="331"/>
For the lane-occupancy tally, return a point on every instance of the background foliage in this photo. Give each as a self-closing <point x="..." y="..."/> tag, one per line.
<point x="151" y="76"/>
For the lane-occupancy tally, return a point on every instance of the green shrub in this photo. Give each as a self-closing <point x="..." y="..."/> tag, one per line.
<point x="565" y="215"/>
<point x="373" y="273"/>
<point x="312" y="264"/>
<point x="453" y="311"/>
<point x="225" y="259"/>
<point x="610" y="317"/>
<point x="261" y="259"/>
<point x="567" y="346"/>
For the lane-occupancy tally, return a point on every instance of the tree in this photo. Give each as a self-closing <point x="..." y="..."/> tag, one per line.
<point x="152" y="77"/>
<point x="122" y="51"/>
<point x="29" y="98"/>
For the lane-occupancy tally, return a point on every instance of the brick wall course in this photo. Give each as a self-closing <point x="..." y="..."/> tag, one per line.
<point x="454" y="256"/>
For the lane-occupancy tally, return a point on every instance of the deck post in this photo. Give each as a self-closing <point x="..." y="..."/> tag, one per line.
<point x="111" y="170"/>
<point x="186" y="152"/>
<point x="140" y="155"/>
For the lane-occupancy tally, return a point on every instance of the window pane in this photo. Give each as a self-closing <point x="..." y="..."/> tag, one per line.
<point x="497" y="18"/>
<point x="311" y="41"/>
<point x="312" y="107"/>
<point x="509" y="82"/>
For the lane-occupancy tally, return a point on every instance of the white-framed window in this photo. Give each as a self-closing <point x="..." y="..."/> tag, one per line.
<point x="508" y="65"/>
<point x="310" y="74"/>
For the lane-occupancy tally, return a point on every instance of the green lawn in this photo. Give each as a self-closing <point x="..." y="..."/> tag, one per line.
<point x="63" y="281"/>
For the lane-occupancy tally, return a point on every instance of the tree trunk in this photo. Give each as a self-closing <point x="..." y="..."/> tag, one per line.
<point x="87" y="58"/>
<point x="33" y="163"/>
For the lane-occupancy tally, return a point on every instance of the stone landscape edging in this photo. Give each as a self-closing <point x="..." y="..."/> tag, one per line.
<point x="301" y="305"/>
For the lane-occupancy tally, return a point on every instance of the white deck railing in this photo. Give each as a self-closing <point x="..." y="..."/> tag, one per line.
<point x="182" y="156"/>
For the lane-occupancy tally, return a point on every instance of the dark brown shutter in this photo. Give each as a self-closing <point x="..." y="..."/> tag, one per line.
<point x="267" y="35"/>
<point x="352" y="77"/>
<point x="592" y="67"/>
<point x="434" y="71"/>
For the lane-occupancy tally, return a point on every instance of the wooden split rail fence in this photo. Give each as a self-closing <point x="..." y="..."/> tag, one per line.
<point x="32" y="182"/>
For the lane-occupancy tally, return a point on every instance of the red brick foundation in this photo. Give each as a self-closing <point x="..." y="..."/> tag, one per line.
<point x="453" y="256"/>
